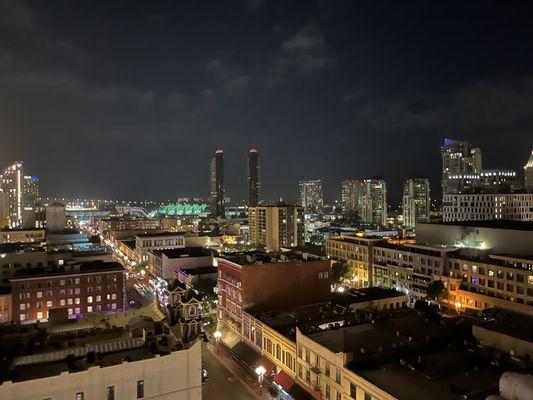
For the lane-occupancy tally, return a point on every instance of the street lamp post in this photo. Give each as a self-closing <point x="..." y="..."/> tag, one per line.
<point x="260" y="371"/>
<point x="217" y="335"/>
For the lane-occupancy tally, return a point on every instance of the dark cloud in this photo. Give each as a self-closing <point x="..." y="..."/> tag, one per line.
<point x="15" y="15"/>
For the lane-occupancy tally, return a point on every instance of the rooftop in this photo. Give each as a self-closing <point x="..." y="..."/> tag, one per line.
<point x="147" y="235"/>
<point x="313" y="317"/>
<point x="492" y="224"/>
<point x="185" y="252"/>
<point x="81" y="268"/>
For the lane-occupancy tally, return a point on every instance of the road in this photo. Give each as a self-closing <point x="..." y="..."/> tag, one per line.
<point x="222" y="383"/>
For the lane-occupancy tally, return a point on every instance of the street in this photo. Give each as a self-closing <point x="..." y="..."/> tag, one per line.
<point x="222" y="383"/>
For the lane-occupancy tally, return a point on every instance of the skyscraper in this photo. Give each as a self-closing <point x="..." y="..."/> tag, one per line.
<point x="13" y="186"/>
<point x="416" y="201"/>
<point x="254" y="178"/>
<point x="461" y="166"/>
<point x="217" y="184"/>
<point x="372" y="201"/>
<point x="311" y="196"/>
<point x="528" y="173"/>
<point x="31" y="191"/>
<point x="349" y="197"/>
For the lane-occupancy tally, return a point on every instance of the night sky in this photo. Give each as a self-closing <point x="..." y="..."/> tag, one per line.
<point x="130" y="99"/>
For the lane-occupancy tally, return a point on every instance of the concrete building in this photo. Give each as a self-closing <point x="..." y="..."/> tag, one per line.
<point x="276" y="226"/>
<point x="165" y="263"/>
<point x="461" y="166"/>
<point x="217" y="184"/>
<point x="311" y="196"/>
<point x="528" y="174"/>
<point x="56" y="219"/>
<point x="416" y="202"/>
<point x="147" y="242"/>
<point x="79" y="288"/>
<point x="488" y="206"/>
<point x="12" y="184"/>
<point x="6" y="310"/>
<point x="22" y="235"/>
<point x="501" y="237"/>
<point x="141" y="358"/>
<point x="127" y="222"/>
<point x="254" y="178"/>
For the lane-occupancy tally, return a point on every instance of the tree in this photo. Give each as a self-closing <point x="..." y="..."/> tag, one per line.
<point x="338" y="271"/>
<point x="436" y="290"/>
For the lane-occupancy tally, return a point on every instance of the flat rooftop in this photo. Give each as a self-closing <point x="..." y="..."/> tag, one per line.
<point x="81" y="268"/>
<point x="309" y="318"/>
<point x="147" y="235"/>
<point x="29" y="352"/>
<point x="199" y="271"/>
<point x="492" y="224"/>
<point x="185" y="252"/>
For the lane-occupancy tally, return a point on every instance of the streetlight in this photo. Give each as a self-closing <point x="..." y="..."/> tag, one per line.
<point x="260" y="371"/>
<point x="217" y="335"/>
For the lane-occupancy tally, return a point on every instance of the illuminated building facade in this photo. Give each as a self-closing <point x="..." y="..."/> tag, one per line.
<point x="416" y="201"/>
<point x="217" y="184"/>
<point x="488" y="206"/>
<point x="13" y="187"/>
<point x="311" y="195"/>
<point x="528" y="173"/>
<point x="461" y="166"/>
<point x="254" y="177"/>
<point x="372" y="201"/>
<point x="276" y="226"/>
<point x="349" y="197"/>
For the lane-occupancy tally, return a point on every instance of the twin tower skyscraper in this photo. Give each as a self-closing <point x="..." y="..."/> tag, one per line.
<point x="217" y="181"/>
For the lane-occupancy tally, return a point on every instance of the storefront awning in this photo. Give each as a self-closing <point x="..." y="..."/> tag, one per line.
<point x="284" y="380"/>
<point x="299" y="393"/>
<point x="246" y="354"/>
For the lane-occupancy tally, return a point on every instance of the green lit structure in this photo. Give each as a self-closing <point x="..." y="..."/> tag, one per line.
<point x="184" y="209"/>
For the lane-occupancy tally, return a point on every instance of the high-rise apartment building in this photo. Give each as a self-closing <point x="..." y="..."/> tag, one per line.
<point x="461" y="166"/>
<point x="372" y="201"/>
<point x="12" y="183"/>
<point x="349" y="197"/>
<point x="528" y="173"/>
<point x="217" y="184"/>
<point x="311" y="195"/>
<point x="416" y="201"/>
<point x="487" y="206"/>
<point x="254" y="177"/>
<point x="31" y="193"/>
<point x="276" y="226"/>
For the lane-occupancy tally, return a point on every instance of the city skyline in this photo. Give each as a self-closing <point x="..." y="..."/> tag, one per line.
<point x="298" y="63"/>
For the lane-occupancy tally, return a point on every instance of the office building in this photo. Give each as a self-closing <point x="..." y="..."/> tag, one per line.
<point x="373" y="201"/>
<point x="488" y="206"/>
<point x="497" y="181"/>
<point x="79" y="288"/>
<point x="217" y="184"/>
<point x="281" y="225"/>
<point x="461" y="166"/>
<point x="311" y="196"/>
<point x="12" y="183"/>
<point x="528" y="174"/>
<point x="254" y="178"/>
<point x="4" y="207"/>
<point x="416" y="201"/>
<point x="349" y="197"/>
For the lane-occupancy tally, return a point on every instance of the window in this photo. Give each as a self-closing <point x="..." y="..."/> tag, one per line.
<point x="89" y="299"/>
<point x="39" y="295"/>
<point x="62" y="302"/>
<point x="89" y="308"/>
<point x="49" y="304"/>
<point x="353" y="390"/>
<point x="39" y="315"/>
<point x="110" y="393"/>
<point x="140" y="389"/>
<point x="80" y="396"/>
<point x="368" y="396"/>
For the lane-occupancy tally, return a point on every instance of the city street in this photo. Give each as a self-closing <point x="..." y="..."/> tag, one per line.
<point x="222" y="383"/>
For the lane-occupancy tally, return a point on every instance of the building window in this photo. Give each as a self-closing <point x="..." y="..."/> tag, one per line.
<point x="80" y="396"/>
<point x="89" y="308"/>
<point x="368" y="396"/>
<point x="89" y="299"/>
<point x="49" y="303"/>
<point x="110" y="393"/>
<point x="353" y="390"/>
<point x="140" y="389"/>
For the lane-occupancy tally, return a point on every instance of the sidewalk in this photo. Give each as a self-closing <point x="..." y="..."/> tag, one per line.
<point x="240" y="371"/>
